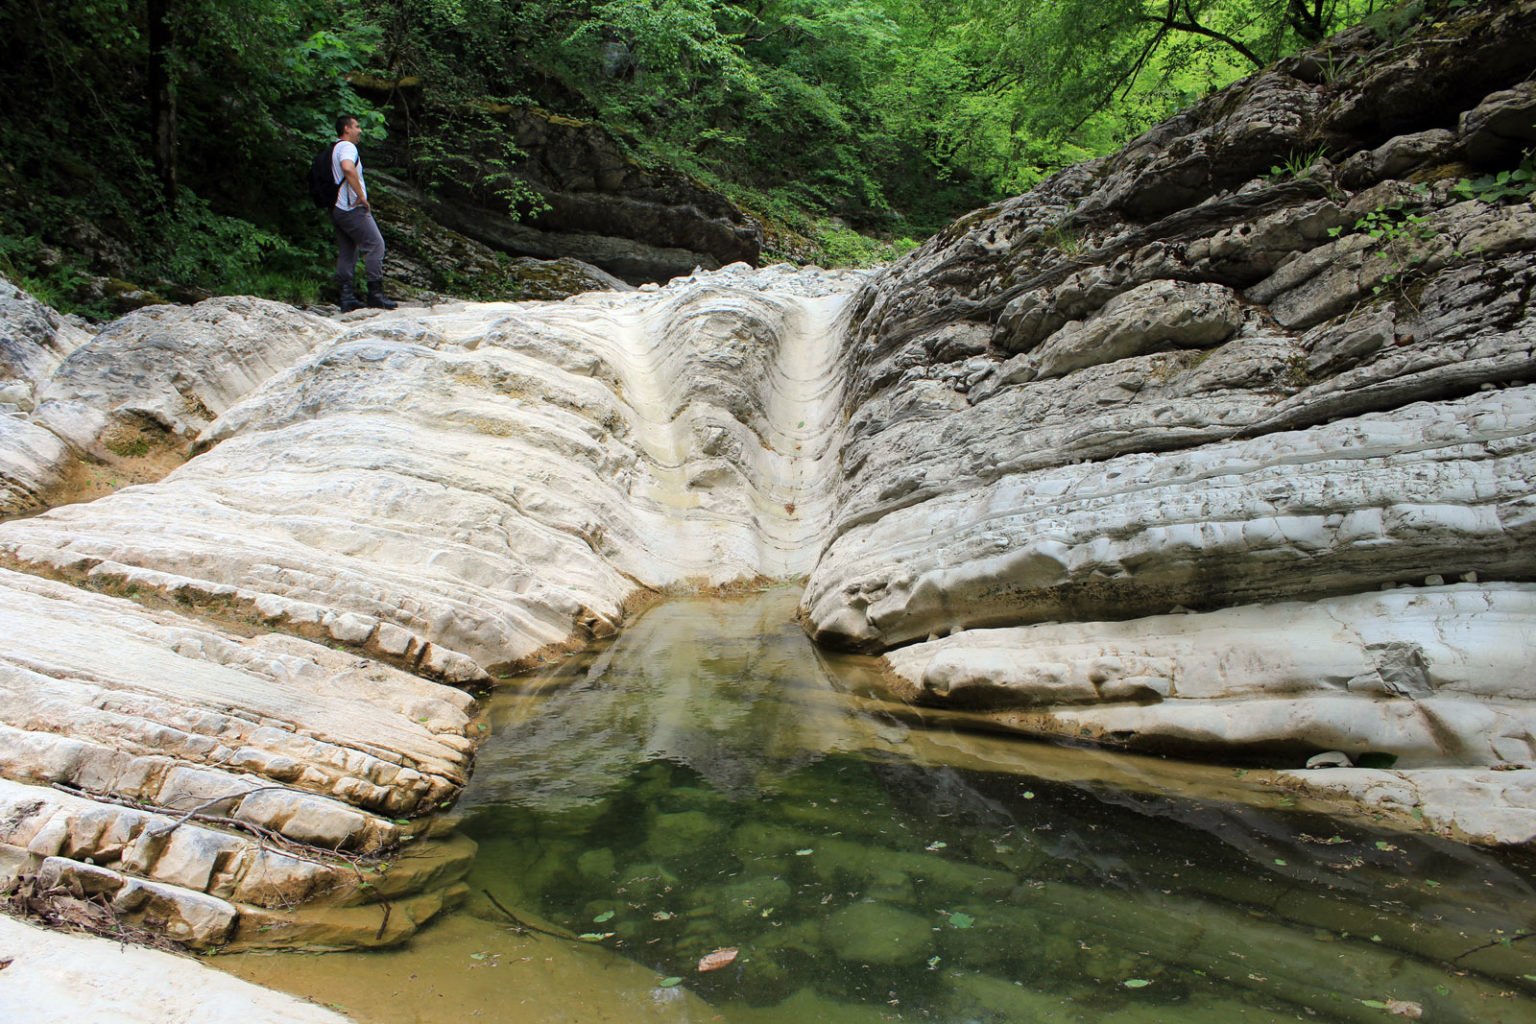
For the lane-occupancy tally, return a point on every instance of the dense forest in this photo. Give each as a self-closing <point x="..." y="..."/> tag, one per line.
<point x="163" y="143"/>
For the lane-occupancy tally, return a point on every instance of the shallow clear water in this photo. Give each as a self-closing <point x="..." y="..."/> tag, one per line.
<point x="710" y="781"/>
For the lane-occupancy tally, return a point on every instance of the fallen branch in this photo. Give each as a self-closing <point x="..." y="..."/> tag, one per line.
<point x="521" y="925"/>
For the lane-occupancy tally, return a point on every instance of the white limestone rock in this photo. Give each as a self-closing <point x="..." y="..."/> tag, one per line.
<point x="50" y="976"/>
<point x="102" y="695"/>
<point x="1337" y="507"/>
<point x="460" y="490"/>
<point x="1434" y="676"/>
<point x="177" y="367"/>
<point x="33" y="341"/>
<point x="1489" y="807"/>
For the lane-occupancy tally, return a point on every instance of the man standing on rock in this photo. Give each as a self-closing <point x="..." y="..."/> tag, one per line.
<point x="356" y="232"/>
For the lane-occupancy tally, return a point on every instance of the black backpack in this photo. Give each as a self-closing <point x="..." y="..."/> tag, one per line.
<point x="322" y="185"/>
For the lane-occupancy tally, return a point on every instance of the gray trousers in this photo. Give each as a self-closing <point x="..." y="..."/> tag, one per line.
<point x="357" y="234"/>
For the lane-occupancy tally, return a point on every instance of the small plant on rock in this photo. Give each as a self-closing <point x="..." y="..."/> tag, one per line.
<point x="1517" y="184"/>
<point x="1397" y="229"/>
<point x="1298" y="165"/>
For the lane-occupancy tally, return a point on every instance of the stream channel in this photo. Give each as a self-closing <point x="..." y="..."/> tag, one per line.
<point x="710" y="781"/>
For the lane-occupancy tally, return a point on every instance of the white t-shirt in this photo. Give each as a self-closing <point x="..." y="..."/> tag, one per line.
<point x="346" y="199"/>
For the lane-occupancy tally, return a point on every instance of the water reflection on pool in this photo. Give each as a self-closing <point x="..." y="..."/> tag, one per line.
<point x="710" y="782"/>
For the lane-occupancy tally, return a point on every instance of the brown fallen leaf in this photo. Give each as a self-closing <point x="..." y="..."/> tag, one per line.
<point x="1403" y="1008"/>
<point x="718" y="959"/>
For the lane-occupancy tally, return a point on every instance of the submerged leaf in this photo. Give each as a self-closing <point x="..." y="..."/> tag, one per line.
<point x="960" y="920"/>
<point x="718" y="959"/>
<point x="671" y="982"/>
<point x="606" y="915"/>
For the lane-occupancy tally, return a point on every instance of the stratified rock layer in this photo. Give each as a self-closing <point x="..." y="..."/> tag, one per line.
<point x="1178" y="380"/>
<point x="457" y="491"/>
<point x="123" y="732"/>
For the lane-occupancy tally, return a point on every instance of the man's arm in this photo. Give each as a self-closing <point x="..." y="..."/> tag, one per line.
<point x="349" y="172"/>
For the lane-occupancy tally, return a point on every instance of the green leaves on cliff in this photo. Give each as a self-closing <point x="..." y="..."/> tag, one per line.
<point x="889" y="116"/>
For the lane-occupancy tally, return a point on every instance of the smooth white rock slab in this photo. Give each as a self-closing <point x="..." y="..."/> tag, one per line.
<point x="1495" y="808"/>
<point x="1437" y="675"/>
<point x="459" y="489"/>
<point x="110" y="698"/>
<point x="56" y="977"/>
<point x="1432" y="488"/>
<point x="175" y="366"/>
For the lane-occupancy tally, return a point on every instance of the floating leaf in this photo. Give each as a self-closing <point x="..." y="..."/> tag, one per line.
<point x="1375" y="1004"/>
<point x="937" y="844"/>
<point x="594" y="936"/>
<point x="933" y="963"/>
<point x="663" y="915"/>
<point x="1136" y="983"/>
<point x="1431" y="883"/>
<point x="606" y="915"/>
<point x="960" y="920"/>
<point x="1527" y="977"/>
<point x="1028" y="795"/>
<point x="718" y="959"/>
<point x="1279" y="862"/>
<point x="1382" y="844"/>
<point x="477" y="956"/>
<point x="805" y="852"/>
<point x="671" y="982"/>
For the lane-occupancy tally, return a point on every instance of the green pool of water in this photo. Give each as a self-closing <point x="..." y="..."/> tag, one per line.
<point x="710" y="782"/>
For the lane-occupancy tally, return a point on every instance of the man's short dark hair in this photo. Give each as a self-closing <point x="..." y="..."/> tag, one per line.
<point x="343" y="121"/>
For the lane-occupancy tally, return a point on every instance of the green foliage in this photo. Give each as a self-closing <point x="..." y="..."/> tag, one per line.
<point x="1397" y="230"/>
<point x="228" y="255"/>
<point x="843" y="247"/>
<point x="1297" y="164"/>
<point x="890" y="116"/>
<point x="1517" y="184"/>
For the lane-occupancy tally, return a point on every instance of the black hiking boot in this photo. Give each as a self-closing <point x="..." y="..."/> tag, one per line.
<point x="349" y="300"/>
<point x="376" y="297"/>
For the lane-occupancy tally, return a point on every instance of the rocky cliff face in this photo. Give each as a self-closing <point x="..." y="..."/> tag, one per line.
<point x="1174" y="452"/>
<point x="1267" y="353"/>
<point x="599" y="206"/>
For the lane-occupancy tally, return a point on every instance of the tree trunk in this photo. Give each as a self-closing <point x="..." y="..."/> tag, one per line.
<point x="162" y="100"/>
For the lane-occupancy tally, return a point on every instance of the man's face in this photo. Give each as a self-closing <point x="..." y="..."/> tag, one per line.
<point x="352" y="132"/>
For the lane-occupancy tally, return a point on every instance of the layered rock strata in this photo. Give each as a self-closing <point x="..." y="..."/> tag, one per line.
<point x="1268" y="366"/>
<point x="1164" y="454"/>
<point x="457" y="491"/>
<point x="453" y="492"/>
<point x="124" y="733"/>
